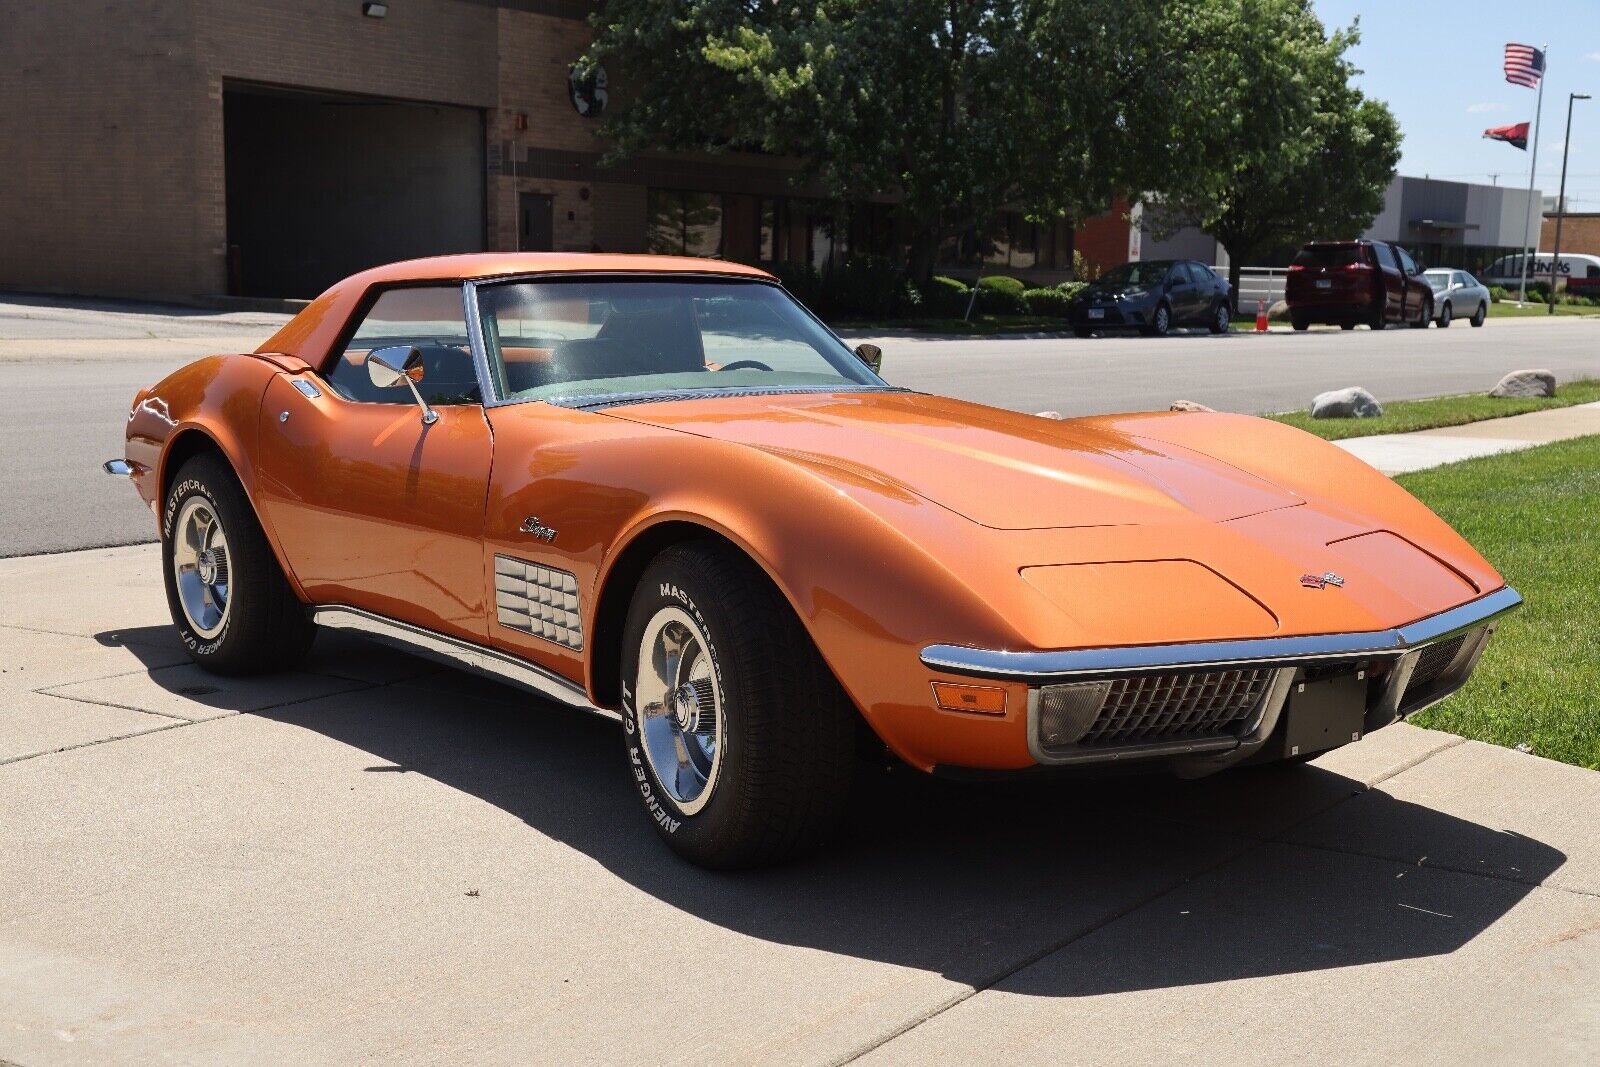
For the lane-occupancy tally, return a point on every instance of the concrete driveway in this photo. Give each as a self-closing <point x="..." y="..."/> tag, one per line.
<point x="376" y="860"/>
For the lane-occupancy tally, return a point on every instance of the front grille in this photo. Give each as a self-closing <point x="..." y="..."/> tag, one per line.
<point x="1432" y="663"/>
<point x="1156" y="707"/>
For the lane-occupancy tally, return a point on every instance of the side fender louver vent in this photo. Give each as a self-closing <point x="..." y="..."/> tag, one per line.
<point x="538" y="600"/>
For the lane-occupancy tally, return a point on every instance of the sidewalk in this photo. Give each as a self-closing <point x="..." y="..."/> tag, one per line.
<point x="373" y="859"/>
<point x="1398" y="453"/>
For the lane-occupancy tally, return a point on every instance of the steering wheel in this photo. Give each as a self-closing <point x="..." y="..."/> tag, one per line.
<point x="744" y="364"/>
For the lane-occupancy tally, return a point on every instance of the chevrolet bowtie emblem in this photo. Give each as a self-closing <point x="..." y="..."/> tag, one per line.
<point x="1319" y="581"/>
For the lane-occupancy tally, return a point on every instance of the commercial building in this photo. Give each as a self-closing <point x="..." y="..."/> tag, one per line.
<point x="188" y="148"/>
<point x="1447" y="224"/>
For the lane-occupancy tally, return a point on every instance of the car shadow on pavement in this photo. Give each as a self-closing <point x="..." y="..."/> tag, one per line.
<point x="1141" y="883"/>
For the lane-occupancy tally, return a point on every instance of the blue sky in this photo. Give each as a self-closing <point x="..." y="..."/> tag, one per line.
<point x="1438" y="67"/>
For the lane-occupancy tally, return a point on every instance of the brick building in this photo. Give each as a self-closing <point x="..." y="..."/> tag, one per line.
<point x="1580" y="233"/>
<point x="185" y="148"/>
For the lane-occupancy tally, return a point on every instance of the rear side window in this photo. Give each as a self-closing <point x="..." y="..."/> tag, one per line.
<point x="1386" y="256"/>
<point x="428" y="318"/>
<point x="1328" y="256"/>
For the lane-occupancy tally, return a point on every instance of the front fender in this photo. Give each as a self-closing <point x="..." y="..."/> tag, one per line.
<point x="217" y="398"/>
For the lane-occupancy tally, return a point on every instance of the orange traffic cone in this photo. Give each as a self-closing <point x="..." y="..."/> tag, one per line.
<point x="1261" y="316"/>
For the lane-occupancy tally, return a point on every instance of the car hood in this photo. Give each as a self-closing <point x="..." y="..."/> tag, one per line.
<point x="998" y="468"/>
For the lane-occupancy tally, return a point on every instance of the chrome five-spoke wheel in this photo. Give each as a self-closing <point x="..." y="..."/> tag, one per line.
<point x="200" y="567"/>
<point x="679" y="698"/>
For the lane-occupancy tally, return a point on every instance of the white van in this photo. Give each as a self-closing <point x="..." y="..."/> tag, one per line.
<point x="1507" y="270"/>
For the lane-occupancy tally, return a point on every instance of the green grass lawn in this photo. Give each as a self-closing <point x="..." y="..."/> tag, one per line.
<point x="1536" y="516"/>
<point x="1509" y="310"/>
<point x="1403" y="416"/>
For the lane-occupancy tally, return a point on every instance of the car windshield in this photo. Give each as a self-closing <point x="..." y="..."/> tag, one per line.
<point x="585" y="342"/>
<point x="1440" y="280"/>
<point x="1150" y="273"/>
<point x="1328" y="256"/>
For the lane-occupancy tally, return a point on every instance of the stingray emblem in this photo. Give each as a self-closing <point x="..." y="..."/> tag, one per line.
<point x="1320" y="581"/>
<point x="532" y="525"/>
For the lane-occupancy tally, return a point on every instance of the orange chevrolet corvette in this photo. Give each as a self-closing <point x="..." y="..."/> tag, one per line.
<point x="660" y="489"/>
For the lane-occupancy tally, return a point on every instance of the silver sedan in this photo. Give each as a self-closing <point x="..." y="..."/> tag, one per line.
<point x="1457" y="295"/>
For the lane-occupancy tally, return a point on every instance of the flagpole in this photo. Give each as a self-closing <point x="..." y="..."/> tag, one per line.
<point x="1533" y="166"/>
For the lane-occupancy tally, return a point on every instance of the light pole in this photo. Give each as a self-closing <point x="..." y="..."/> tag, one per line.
<point x="1561" y="203"/>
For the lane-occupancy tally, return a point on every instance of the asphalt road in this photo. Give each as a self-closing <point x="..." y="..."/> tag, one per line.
<point x="69" y="369"/>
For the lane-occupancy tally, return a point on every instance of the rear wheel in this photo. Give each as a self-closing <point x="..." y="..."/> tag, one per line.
<point x="1221" y="318"/>
<point x="741" y="743"/>
<point x="1347" y="326"/>
<point x="1446" y="313"/>
<point x="1299" y="322"/>
<point x="1082" y="331"/>
<point x="1481" y="314"/>
<point x="1377" y="321"/>
<point x="230" y="601"/>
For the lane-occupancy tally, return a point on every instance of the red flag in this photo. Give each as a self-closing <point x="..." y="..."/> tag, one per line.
<point x="1513" y="135"/>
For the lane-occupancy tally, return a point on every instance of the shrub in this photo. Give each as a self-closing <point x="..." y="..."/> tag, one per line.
<point x="1070" y="289"/>
<point x="860" y="287"/>
<point x="945" y="297"/>
<point x="1082" y="269"/>
<point x="999" y="295"/>
<point x="1497" y="293"/>
<point x="867" y="286"/>
<point x="1051" y="302"/>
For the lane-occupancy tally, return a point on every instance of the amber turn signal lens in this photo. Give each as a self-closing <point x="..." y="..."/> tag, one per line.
<point x="984" y="699"/>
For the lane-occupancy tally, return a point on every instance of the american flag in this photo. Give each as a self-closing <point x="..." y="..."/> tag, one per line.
<point x="1524" y="65"/>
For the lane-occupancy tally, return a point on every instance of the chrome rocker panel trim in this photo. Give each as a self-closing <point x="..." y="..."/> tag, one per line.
<point x="1053" y="666"/>
<point x="455" y="652"/>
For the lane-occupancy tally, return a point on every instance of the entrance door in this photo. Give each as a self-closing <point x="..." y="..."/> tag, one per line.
<point x="536" y="223"/>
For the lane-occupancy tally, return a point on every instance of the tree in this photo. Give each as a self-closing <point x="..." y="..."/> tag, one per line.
<point x="953" y="109"/>
<point x="1296" y="151"/>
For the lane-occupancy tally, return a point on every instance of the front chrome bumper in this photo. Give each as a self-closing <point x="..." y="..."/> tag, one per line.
<point x="1042" y="668"/>
<point x="1392" y="657"/>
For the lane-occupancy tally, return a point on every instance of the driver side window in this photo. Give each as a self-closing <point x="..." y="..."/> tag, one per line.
<point x="428" y="318"/>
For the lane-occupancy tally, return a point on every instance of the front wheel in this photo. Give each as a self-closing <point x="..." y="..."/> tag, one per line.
<point x="1424" y="316"/>
<point x="1479" y="315"/>
<point x="1446" y="313"/>
<point x="1160" y="322"/>
<point x="230" y="601"/>
<point x="1221" y="318"/>
<point x="740" y="742"/>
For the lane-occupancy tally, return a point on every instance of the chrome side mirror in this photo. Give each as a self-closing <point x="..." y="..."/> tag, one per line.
<point x="400" y="365"/>
<point x="871" y="355"/>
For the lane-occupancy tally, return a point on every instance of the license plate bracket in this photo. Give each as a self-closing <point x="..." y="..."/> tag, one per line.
<point x="1097" y="313"/>
<point x="1324" y="283"/>
<point x="1324" y="713"/>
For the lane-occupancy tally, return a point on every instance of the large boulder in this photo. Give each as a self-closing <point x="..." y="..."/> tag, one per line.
<point x="1352" y="403"/>
<point x="1278" y="312"/>
<point x="1526" y="383"/>
<point x="1188" y="405"/>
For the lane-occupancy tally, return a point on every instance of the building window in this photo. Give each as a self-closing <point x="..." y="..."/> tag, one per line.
<point x="683" y="223"/>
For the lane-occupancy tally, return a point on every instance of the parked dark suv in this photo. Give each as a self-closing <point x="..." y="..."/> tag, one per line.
<point x="1153" y="296"/>
<point x="1349" y="283"/>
